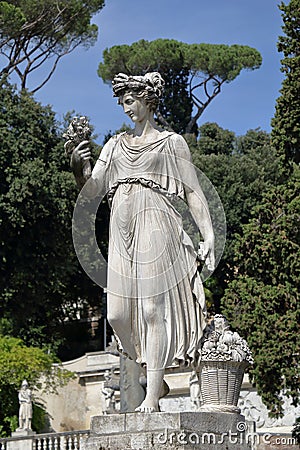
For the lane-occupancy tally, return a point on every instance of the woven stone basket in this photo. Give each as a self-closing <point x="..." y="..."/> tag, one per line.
<point x="220" y="385"/>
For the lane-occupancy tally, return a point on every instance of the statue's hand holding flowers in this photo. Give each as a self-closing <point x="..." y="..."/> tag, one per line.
<point x="77" y="140"/>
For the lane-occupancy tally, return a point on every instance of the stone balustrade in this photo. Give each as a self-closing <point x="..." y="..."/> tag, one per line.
<point x="70" y="440"/>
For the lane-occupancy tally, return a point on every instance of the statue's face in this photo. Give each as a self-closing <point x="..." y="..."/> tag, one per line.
<point x="136" y="108"/>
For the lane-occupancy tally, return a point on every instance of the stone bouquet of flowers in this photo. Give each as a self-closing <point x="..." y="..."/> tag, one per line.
<point x="78" y="131"/>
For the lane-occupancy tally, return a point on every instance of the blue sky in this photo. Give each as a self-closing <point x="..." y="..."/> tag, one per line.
<point x="246" y="103"/>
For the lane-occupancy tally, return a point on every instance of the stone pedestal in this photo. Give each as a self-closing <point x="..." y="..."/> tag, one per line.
<point x="167" y="431"/>
<point x="23" y="444"/>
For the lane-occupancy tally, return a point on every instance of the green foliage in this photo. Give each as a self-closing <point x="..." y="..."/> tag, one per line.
<point x="286" y="123"/>
<point x="10" y="423"/>
<point x="40" y="418"/>
<point x="262" y="298"/>
<point x="41" y="282"/>
<point x="19" y="362"/>
<point x="215" y="140"/>
<point x="221" y="61"/>
<point x="262" y="301"/>
<point x="176" y="93"/>
<point x="187" y="70"/>
<point x="241" y="169"/>
<point x="253" y="140"/>
<point x="33" y="31"/>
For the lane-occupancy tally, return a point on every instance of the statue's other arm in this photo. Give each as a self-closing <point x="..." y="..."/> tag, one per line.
<point x="196" y="200"/>
<point x="94" y="184"/>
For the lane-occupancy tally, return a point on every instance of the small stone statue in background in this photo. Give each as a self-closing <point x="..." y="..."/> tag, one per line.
<point x="25" y="411"/>
<point x="108" y="392"/>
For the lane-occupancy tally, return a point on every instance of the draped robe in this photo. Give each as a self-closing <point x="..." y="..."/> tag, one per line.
<point x="150" y="255"/>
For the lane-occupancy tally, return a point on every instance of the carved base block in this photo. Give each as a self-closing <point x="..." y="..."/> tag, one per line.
<point x="22" y="444"/>
<point x="23" y="432"/>
<point x="220" y="408"/>
<point x="167" y="431"/>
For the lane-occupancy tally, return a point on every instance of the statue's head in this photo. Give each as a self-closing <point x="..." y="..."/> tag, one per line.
<point x="149" y="87"/>
<point x="24" y="384"/>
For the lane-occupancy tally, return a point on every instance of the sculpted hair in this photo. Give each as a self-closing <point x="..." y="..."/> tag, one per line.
<point x="149" y="87"/>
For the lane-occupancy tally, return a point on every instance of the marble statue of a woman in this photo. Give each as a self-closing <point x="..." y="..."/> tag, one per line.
<point x="156" y="303"/>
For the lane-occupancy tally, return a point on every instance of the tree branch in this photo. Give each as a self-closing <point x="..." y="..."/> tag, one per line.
<point x="49" y="75"/>
<point x="51" y="32"/>
<point x="193" y="120"/>
<point x="196" y="86"/>
<point x="54" y="67"/>
<point x="197" y="102"/>
<point x="19" y="73"/>
<point x="45" y="56"/>
<point x="202" y="105"/>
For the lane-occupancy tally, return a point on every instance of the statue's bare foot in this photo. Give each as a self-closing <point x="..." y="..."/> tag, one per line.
<point x="147" y="407"/>
<point x="164" y="390"/>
